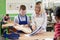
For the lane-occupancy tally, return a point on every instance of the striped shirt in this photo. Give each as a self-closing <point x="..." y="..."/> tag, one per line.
<point x="57" y="30"/>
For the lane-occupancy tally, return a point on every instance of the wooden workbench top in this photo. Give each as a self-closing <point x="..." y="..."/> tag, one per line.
<point x="38" y="36"/>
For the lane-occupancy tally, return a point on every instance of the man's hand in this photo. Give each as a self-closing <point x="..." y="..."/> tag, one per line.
<point x="5" y="21"/>
<point x="26" y="25"/>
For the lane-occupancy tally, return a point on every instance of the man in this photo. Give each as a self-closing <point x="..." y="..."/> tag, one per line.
<point x="22" y="19"/>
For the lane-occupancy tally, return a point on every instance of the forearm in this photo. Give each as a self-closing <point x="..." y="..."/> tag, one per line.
<point x="26" y="25"/>
<point x="24" y="29"/>
<point x="3" y="26"/>
<point x="58" y="38"/>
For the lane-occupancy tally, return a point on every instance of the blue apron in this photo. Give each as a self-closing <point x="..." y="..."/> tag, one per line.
<point x="12" y="35"/>
<point x="22" y="22"/>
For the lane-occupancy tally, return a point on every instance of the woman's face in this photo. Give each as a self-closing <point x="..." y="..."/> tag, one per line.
<point x="37" y="9"/>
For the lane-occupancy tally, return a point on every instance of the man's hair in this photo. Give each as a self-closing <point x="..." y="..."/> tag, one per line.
<point x="38" y="2"/>
<point x="23" y="7"/>
<point x="7" y="14"/>
<point x="57" y="12"/>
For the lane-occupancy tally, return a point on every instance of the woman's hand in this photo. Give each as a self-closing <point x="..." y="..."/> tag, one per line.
<point x="33" y="27"/>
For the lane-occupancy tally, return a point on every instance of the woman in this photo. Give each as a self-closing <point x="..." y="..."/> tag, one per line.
<point x="39" y="20"/>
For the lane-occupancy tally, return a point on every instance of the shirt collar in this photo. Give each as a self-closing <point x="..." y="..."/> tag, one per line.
<point x="21" y="15"/>
<point x="39" y="15"/>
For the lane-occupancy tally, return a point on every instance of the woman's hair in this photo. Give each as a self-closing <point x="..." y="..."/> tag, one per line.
<point x="42" y="6"/>
<point x="23" y="7"/>
<point x="57" y="12"/>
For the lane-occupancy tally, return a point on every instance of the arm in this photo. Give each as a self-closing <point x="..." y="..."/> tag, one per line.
<point x="3" y="19"/>
<point x="16" y="20"/>
<point x="33" y="23"/>
<point x="58" y="38"/>
<point x="45" y="22"/>
<point x="21" y="27"/>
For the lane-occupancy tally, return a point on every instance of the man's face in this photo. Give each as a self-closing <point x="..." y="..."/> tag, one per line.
<point x="22" y="12"/>
<point x="37" y="9"/>
<point x="7" y="16"/>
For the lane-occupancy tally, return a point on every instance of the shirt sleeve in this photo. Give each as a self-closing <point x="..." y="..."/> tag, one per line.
<point x="16" y="20"/>
<point x="45" y="22"/>
<point x="32" y="19"/>
<point x="28" y="20"/>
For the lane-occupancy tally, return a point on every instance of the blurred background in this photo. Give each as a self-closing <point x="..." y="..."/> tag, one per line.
<point x="11" y="7"/>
